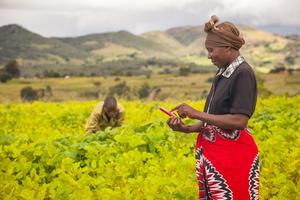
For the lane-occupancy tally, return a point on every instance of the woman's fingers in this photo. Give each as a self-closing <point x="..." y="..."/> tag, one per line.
<point x="178" y="121"/>
<point x="170" y="121"/>
<point x="174" y="123"/>
<point x="178" y="109"/>
<point x="182" y="111"/>
<point x="181" y="114"/>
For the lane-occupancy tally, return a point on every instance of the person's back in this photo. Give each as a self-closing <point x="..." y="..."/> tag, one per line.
<point x="105" y="114"/>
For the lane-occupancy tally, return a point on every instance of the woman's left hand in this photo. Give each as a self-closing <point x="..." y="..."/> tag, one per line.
<point x="185" y="110"/>
<point x="176" y="124"/>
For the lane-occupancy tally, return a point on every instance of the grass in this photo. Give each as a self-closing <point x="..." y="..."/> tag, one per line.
<point x="69" y="89"/>
<point x="172" y="87"/>
<point x="282" y="83"/>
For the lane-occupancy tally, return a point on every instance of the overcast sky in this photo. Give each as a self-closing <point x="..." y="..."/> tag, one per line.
<point x="80" y="17"/>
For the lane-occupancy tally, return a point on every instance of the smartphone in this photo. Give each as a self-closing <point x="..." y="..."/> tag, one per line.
<point x="167" y="111"/>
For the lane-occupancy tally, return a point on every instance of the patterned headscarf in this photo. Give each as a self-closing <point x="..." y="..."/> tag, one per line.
<point x="222" y="35"/>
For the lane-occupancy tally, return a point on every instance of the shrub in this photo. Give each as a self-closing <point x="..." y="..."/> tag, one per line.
<point x="12" y="68"/>
<point x="144" y="91"/>
<point x="97" y="83"/>
<point x="120" y="89"/>
<point x="290" y="59"/>
<point x="29" y="94"/>
<point x="48" y="91"/>
<point x="89" y="94"/>
<point x="184" y="71"/>
<point x="4" y="77"/>
<point x="51" y="74"/>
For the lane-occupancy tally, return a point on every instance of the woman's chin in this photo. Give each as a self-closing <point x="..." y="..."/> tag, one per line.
<point x="215" y="63"/>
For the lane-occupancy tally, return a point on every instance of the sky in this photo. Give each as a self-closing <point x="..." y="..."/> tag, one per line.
<point x="62" y="18"/>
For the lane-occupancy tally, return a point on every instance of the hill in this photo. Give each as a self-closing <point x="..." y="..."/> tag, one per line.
<point x="17" y="42"/>
<point x="100" y="52"/>
<point x="264" y="50"/>
<point x="122" y="38"/>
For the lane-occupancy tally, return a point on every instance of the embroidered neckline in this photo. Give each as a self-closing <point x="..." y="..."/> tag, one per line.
<point x="227" y="72"/>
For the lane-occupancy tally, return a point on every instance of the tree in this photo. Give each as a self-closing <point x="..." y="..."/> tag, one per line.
<point x="29" y="94"/>
<point x="120" y="89"/>
<point x="290" y="59"/>
<point x="184" y="71"/>
<point x="144" y="91"/>
<point x="48" y="91"/>
<point x="51" y="74"/>
<point x="12" y="68"/>
<point x="4" y="77"/>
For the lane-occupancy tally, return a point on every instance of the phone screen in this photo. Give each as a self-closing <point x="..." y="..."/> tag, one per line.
<point x="167" y="112"/>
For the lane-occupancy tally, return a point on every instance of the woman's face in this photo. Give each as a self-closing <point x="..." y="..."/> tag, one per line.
<point x="218" y="56"/>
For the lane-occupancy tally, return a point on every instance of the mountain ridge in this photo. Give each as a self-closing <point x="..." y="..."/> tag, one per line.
<point x="262" y="49"/>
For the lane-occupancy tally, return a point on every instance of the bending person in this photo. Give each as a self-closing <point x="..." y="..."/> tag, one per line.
<point x="105" y="114"/>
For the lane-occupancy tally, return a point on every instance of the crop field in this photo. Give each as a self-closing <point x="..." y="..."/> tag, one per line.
<point x="45" y="154"/>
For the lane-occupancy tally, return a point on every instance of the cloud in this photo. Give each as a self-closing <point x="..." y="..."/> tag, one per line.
<point x="77" y="17"/>
<point x="93" y="4"/>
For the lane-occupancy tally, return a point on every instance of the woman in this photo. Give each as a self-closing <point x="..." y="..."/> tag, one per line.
<point x="227" y="165"/>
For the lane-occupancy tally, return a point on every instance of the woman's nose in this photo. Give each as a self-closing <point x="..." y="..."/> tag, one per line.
<point x="209" y="55"/>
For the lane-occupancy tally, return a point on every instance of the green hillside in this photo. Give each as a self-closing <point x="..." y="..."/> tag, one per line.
<point x="18" y="43"/>
<point x="123" y="38"/>
<point x="187" y="35"/>
<point x="96" y="52"/>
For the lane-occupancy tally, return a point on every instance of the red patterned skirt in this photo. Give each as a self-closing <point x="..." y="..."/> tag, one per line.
<point x="227" y="164"/>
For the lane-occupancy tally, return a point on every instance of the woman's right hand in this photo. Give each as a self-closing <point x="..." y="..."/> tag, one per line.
<point x="185" y="110"/>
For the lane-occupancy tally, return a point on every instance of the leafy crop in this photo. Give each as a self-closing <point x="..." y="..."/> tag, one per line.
<point x="44" y="153"/>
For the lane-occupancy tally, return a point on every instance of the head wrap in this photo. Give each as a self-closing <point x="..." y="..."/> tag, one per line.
<point x="222" y="35"/>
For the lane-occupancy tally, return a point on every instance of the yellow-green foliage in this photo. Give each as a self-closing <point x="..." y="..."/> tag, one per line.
<point x="45" y="154"/>
<point x="276" y="46"/>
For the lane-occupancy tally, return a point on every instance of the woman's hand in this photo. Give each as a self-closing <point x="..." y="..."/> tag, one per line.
<point x="176" y="124"/>
<point x="185" y="110"/>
